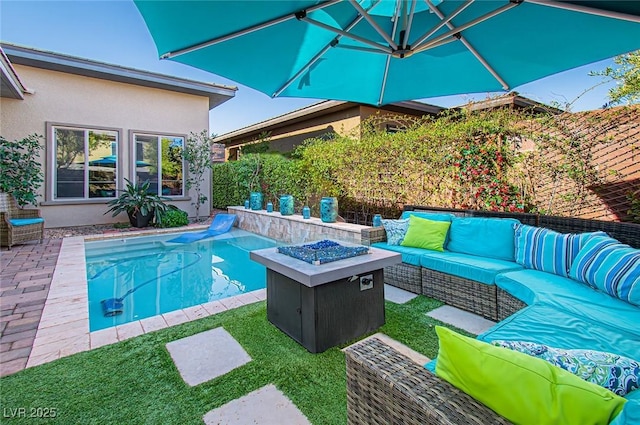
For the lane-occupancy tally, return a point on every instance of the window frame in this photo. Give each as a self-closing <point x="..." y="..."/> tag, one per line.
<point x="158" y="135"/>
<point x="50" y="161"/>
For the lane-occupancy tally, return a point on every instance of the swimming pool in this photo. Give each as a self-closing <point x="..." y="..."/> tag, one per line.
<point x="149" y="276"/>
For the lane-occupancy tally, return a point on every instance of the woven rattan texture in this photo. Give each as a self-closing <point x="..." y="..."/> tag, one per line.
<point x="386" y="387"/>
<point x="404" y="276"/>
<point x="371" y="235"/>
<point x="507" y="304"/>
<point x="459" y="292"/>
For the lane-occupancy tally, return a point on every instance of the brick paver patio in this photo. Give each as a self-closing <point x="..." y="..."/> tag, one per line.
<point x="25" y="277"/>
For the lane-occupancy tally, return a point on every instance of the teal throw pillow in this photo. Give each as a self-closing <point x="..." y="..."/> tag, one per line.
<point x="426" y="234"/>
<point x="548" y="251"/>
<point x="609" y="266"/>
<point x="395" y="229"/>
<point x="618" y="374"/>
<point x="484" y="237"/>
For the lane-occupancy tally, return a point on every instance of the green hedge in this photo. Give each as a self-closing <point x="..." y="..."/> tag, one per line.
<point x="459" y="159"/>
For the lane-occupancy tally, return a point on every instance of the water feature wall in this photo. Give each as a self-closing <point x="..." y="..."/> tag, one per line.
<point x="293" y="228"/>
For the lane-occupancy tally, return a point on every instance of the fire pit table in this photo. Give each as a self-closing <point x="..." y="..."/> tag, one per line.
<point x="323" y="304"/>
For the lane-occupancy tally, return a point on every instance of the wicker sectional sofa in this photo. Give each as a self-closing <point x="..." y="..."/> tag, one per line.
<point x="485" y="300"/>
<point x="385" y="387"/>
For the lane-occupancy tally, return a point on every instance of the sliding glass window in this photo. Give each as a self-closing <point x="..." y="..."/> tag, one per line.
<point x="85" y="163"/>
<point x="159" y="160"/>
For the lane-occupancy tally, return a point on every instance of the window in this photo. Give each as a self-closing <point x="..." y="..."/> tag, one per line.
<point x="159" y="160"/>
<point x="85" y="163"/>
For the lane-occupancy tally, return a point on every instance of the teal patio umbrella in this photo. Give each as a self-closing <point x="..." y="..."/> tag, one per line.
<point x="384" y="51"/>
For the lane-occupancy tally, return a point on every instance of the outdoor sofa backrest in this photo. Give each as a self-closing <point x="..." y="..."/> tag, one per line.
<point x="628" y="233"/>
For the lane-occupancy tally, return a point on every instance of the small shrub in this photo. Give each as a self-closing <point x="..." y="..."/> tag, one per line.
<point x="174" y="218"/>
<point x="20" y="172"/>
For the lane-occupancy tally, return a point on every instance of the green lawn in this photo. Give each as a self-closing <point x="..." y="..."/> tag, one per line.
<point x="136" y="382"/>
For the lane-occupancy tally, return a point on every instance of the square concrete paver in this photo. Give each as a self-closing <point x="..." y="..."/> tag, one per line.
<point x="397" y="295"/>
<point x="265" y="406"/>
<point x="461" y="319"/>
<point x="207" y="355"/>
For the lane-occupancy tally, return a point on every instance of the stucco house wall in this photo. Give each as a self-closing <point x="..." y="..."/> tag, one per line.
<point x="65" y="99"/>
<point x="290" y="130"/>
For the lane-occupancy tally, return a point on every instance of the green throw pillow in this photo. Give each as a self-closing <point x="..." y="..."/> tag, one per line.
<point x="427" y="234"/>
<point x="523" y="389"/>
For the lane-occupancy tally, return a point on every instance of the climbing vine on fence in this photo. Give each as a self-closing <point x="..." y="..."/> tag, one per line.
<point x="493" y="160"/>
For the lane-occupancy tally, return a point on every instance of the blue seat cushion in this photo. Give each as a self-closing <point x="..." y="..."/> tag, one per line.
<point x="410" y="255"/>
<point x="485" y="237"/>
<point x="548" y="324"/>
<point x="480" y="269"/>
<point x="574" y="298"/>
<point x="25" y="221"/>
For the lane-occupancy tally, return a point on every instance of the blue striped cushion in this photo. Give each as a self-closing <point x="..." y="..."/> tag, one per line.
<point x="548" y="251"/>
<point x="612" y="267"/>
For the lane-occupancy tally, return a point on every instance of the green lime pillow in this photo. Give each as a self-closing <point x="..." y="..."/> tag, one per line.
<point x="523" y="389"/>
<point x="425" y="233"/>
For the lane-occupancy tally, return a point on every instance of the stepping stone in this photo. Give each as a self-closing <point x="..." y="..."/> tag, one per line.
<point x="264" y="406"/>
<point x="461" y="319"/>
<point x="207" y="355"/>
<point x="397" y="295"/>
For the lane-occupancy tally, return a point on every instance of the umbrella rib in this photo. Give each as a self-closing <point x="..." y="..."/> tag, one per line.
<point x="384" y="81"/>
<point x="408" y="30"/>
<point x="455" y="13"/>
<point x="469" y="24"/>
<point x="244" y="31"/>
<point x="315" y="58"/>
<point x="346" y="34"/>
<point x="469" y="47"/>
<point x="587" y="9"/>
<point x="396" y="17"/>
<point x="374" y="24"/>
<point x="361" y="49"/>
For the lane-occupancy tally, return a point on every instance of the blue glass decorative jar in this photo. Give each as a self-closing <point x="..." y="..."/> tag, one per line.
<point x="255" y="200"/>
<point x="329" y="209"/>
<point x="269" y="207"/>
<point x="377" y="220"/>
<point x="306" y="212"/>
<point x="246" y="204"/>
<point x="286" y="205"/>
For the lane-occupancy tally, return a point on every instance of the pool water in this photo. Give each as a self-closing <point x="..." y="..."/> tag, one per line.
<point x="151" y="277"/>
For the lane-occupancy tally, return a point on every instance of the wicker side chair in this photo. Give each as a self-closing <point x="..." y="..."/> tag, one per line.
<point x="18" y="225"/>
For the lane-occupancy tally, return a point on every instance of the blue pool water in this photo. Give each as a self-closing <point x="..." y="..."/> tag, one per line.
<point x="154" y="277"/>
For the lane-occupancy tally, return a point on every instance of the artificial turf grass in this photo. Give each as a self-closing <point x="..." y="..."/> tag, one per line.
<point x="136" y="381"/>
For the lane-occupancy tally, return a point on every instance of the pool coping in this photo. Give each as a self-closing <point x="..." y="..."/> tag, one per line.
<point x="64" y="325"/>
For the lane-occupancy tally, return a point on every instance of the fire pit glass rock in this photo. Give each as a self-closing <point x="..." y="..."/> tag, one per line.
<point x="322" y="252"/>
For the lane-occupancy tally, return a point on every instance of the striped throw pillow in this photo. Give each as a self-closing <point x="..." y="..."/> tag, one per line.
<point x="548" y="251"/>
<point x="612" y="267"/>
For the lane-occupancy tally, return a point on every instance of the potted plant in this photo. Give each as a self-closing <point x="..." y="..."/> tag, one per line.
<point x="139" y="204"/>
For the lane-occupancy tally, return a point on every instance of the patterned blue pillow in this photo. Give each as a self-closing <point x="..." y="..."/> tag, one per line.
<point x="612" y="267"/>
<point x="548" y="251"/>
<point x="619" y="374"/>
<point x="396" y="229"/>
